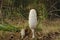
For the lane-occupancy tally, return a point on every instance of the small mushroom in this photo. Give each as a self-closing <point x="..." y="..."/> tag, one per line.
<point x="22" y="33"/>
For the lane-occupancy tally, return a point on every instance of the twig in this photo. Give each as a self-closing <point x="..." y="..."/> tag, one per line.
<point x="54" y="10"/>
<point x="57" y="15"/>
<point x="52" y="5"/>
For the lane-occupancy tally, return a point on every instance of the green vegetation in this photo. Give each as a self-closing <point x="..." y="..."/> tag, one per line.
<point x="7" y="27"/>
<point x="15" y="12"/>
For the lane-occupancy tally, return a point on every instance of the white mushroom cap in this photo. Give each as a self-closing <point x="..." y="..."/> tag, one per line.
<point x="32" y="18"/>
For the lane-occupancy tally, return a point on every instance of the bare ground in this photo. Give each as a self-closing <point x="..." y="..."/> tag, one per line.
<point x="4" y="35"/>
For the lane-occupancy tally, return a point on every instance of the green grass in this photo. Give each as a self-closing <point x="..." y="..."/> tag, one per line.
<point x="8" y="27"/>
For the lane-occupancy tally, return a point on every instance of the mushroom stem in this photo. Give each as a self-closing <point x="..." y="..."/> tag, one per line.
<point x="33" y="36"/>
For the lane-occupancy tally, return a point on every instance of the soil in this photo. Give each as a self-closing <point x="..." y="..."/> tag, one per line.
<point x="5" y="35"/>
